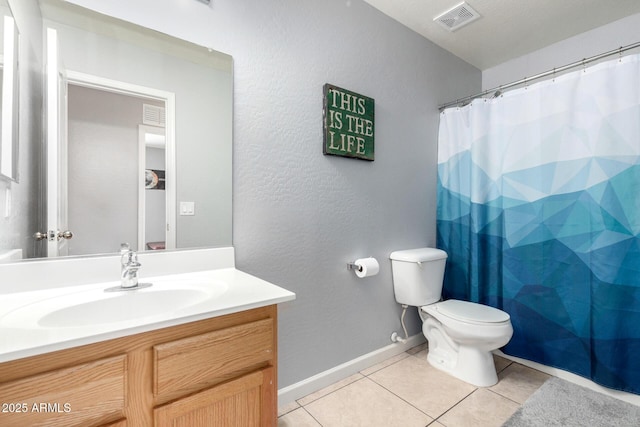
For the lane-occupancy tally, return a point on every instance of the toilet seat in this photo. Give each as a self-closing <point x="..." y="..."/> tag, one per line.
<point x="470" y="312"/>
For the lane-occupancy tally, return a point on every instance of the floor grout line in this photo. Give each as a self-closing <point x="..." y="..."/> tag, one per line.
<point x="503" y="396"/>
<point x="311" y="415"/>
<point x="396" y="395"/>
<point x="456" y="404"/>
<point x="404" y="400"/>
<point x="331" y="392"/>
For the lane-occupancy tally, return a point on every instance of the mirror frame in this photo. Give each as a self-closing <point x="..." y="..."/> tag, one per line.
<point x="9" y="138"/>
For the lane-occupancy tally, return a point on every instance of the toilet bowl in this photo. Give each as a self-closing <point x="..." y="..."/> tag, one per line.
<point x="461" y="334"/>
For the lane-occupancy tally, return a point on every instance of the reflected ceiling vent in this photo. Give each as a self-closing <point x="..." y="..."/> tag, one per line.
<point x="457" y="17"/>
<point x="153" y="116"/>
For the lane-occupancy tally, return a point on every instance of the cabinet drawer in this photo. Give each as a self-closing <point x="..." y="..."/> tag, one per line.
<point x="89" y="394"/>
<point x="195" y="363"/>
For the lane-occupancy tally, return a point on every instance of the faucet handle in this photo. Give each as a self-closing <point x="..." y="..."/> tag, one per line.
<point x="126" y="254"/>
<point x="128" y="257"/>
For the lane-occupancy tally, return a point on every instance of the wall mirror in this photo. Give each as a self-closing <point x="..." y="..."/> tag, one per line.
<point x="9" y="102"/>
<point x="138" y="137"/>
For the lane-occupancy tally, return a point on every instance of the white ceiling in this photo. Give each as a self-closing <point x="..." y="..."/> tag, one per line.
<point x="508" y="28"/>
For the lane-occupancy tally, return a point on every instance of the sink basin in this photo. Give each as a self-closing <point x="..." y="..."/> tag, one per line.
<point x="95" y="307"/>
<point x="125" y="306"/>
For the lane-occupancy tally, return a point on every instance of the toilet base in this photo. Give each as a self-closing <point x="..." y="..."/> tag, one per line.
<point x="468" y="364"/>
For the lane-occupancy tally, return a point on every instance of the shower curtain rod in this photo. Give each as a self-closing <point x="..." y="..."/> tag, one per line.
<point x="499" y="89"/>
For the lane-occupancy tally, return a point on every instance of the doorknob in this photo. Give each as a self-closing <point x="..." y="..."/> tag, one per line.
<point x="65" y="235"/>
<point x="53" y="235"/>
<point x="40" y="236"/>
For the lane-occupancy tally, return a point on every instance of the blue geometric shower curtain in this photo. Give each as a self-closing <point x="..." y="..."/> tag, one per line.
<point x="539" y="211"/>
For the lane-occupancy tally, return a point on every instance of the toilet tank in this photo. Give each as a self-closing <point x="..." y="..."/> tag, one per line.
<point x="418" y="275"/>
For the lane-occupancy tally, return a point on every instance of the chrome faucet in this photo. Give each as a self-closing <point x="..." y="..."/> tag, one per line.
<point x="129" y="267"/>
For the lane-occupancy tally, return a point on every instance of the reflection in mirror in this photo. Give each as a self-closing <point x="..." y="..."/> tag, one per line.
<point x="105" y="154"/>
<point x="152" y="200"/>
<point x="121" y="86"/>
<point x="10" y="94"/>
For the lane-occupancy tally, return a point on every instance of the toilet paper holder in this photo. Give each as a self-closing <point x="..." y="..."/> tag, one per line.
<point x="364" y="267"/>
<point x="352" y="266"/>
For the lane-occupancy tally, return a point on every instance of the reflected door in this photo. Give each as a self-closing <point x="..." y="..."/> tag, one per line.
<point x="107" y="198"/>
<point x="56" y="109"/>
<point x="152" y="194"/>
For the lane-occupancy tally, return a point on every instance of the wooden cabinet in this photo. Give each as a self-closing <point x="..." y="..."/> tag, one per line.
<point x="219" y="371"/>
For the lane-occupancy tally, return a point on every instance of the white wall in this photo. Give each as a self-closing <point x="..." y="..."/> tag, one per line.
<point x="299" y="216"/>
<point x="603" y="39"/>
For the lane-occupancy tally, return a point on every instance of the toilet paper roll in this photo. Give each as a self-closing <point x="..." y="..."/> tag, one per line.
<point x="367" y="267"/>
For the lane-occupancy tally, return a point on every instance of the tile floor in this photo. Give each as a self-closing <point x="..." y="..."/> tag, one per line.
<point x="406" y="391"/>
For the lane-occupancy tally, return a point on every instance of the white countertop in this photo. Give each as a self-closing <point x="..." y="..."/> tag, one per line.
<point x="23" y="337"/>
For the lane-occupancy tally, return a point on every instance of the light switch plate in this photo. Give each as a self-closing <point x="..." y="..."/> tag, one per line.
<point x="187" y="208"/>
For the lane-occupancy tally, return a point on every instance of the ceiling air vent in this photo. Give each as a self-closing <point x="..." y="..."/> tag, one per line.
<point x="153" y="116"/>
<point x="457" y="17"/>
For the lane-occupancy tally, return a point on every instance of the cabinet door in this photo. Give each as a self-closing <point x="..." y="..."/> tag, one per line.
<point x="244" y="402"/>
<point x="88" y="394"/>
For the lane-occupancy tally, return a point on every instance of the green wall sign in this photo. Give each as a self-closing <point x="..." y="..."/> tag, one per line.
<point x="348" y="123"/>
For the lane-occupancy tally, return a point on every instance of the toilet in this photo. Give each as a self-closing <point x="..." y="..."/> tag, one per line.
<point x="461" y="334"/>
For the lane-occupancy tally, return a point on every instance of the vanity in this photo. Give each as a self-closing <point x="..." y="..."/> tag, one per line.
<point x="70" y="357"/>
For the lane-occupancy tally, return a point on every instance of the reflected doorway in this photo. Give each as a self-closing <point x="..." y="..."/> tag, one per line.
<point x="152" y="201"/>
<point x="119" y="167"/>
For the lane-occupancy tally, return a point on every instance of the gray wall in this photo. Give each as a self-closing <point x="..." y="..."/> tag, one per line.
<point x="590" y="43"/>
<point x="25" y="206"/>
<point x="299" y="216"/>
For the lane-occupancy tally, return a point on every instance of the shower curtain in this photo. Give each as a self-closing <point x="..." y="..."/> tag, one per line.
<point x="539" y="211"/>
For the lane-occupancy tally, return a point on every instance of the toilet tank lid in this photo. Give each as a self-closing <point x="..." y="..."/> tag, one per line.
<point x="418" y="255"/>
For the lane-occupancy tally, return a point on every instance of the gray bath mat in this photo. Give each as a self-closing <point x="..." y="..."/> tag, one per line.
<point x="561" y="403"/>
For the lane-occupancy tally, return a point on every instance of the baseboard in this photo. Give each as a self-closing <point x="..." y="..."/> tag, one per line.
<point x="576" y="379"/>
<point x="319" y="381"/>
